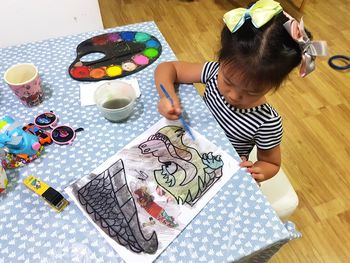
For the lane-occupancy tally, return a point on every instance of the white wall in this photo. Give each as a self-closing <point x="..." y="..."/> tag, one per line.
<point x="23" y="21"/>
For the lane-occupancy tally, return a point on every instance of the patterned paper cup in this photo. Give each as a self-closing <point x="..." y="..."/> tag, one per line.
<point x="24" y="81"/>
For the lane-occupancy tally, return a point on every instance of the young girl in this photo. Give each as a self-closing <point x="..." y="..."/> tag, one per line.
<point x="260" y="46"/>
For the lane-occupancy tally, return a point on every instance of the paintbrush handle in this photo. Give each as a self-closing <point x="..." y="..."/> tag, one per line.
<point x="166" y="94"/>
<point x="186" y="127"/>
<point x="184" y="124"/>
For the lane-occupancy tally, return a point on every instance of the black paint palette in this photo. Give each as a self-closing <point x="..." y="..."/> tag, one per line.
<point x="114" y="55"/>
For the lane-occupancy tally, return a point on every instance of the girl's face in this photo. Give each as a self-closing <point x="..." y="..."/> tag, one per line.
<point x="236" y="94"/>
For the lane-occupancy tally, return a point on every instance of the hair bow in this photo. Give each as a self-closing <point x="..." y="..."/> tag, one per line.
<point x="260" y="13"/>
<point x="309" y="48"/>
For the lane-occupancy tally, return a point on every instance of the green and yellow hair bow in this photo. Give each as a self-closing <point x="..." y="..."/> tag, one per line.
<point x="260" y="13"/>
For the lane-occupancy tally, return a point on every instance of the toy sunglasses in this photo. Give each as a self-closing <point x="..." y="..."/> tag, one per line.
<point x="62" y="134"/>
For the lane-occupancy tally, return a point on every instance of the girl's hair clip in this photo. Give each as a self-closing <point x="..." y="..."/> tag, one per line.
<point x="260" y="13"/>
<point x="309" y="49"/>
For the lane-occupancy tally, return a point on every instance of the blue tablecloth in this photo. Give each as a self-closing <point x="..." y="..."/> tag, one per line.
<point x="237" y="223"/>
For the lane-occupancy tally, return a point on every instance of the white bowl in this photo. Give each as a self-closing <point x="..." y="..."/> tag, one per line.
<point x="115" y="100"/>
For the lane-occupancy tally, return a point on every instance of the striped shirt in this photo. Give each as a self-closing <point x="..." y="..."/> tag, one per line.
<point x="260" y="125"/>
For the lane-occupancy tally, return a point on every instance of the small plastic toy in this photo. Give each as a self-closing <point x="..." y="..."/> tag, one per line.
<point x="62" y="134"/>
<point x="43" y="136"/>
<point x="16" y="141"/>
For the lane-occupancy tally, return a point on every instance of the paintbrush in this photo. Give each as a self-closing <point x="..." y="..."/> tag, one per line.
<point x="184" y="124"/>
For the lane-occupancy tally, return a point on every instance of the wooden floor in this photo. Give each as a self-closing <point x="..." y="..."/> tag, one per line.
<point x="316" y="112"/>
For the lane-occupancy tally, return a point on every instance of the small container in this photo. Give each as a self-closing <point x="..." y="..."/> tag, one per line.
<point x="115" y="100"/>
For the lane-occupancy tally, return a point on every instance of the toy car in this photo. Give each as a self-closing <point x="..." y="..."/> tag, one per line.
<point x="43" y="136"/>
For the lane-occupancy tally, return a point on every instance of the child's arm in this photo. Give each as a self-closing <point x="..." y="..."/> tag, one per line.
<point x="267" y="166"/>
<point x="168" y="73"/>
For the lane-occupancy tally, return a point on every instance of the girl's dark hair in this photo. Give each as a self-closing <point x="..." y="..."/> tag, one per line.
<point x="260" y="57"/>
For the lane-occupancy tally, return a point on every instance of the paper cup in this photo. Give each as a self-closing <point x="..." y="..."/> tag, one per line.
<point x="24" y="81"/>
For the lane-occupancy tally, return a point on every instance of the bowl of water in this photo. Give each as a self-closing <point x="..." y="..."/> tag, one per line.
<point x="115" y="100"/>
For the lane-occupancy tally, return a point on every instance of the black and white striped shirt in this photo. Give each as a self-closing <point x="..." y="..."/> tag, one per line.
<point x="260" y="125"/>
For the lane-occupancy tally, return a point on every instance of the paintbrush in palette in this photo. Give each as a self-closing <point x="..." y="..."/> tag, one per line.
<point x="184" y="124"/>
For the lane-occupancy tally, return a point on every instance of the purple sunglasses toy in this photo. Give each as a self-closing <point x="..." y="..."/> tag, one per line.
<point x="62" y="134"/>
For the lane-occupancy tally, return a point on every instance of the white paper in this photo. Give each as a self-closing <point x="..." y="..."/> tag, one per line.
<point x="87" y="91"/>
<point x="134" y="162"/>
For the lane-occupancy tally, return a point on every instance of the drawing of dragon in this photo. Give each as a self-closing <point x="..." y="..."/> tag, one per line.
<point x="184" y="173"/>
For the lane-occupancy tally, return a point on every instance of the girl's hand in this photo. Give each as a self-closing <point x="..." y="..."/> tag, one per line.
<point x="253" y="170"/>
<point x="168" y="110"/>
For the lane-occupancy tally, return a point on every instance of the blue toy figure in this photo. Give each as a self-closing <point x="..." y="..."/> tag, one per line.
<point x="16" y="141"/>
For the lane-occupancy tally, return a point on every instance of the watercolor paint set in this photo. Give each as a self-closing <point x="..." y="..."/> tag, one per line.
<point x="114" y="55"/>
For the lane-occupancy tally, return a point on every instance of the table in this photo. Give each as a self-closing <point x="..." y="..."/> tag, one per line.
<point x="237" y="224"/>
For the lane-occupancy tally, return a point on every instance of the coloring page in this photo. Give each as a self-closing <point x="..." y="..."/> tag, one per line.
<point x="142" y="197"/>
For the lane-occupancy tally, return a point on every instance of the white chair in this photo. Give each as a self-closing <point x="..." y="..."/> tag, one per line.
<point x="23" y="21"/>
<point x="279" y="192"/>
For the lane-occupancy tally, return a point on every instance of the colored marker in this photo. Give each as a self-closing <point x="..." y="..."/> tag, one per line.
<point x="50" y="195"/>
